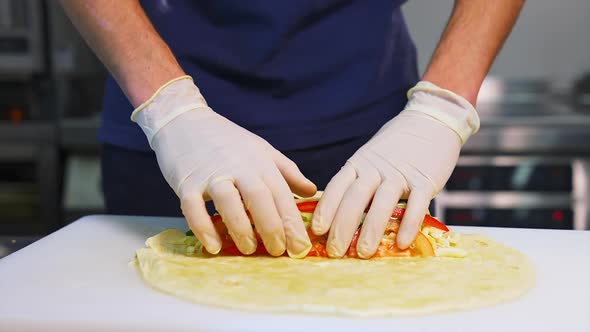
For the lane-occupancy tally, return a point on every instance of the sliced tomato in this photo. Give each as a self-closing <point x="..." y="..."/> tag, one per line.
<point x="431" y="221"/>
<point x="318" y="245"/>
<point x="352" y="249"/>
<point x="420" y="247"/>
<point x="230" y="250"/>
<point x="423" y="246"/>
<point x="228" y="247"/>
<point x="317" y="250"/>
<point x="398" y="213"/>
<point x="307" y="206"/>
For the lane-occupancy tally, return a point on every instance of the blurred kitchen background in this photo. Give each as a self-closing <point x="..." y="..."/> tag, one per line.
<point x="529" y="166"/>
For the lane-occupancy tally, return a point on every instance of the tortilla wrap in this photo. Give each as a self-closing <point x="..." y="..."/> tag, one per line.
<point x="490" y="273"/>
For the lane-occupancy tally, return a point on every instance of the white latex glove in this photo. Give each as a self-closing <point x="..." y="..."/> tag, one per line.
<point x="205" y="156"/>
<point x="411" y="156"/>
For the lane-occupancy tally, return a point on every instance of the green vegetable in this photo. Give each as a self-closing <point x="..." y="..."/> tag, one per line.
<point x="306" y="216"/>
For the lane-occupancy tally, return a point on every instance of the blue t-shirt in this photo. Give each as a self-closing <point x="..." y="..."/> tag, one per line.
<point x="298" y="73"/>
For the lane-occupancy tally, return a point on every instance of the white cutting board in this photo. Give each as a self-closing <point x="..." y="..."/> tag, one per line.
<point x="79" y="279"/>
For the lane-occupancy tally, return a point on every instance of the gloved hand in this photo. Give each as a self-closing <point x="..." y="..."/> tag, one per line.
<point x="411" y="156"/>
<point x="205" y="156"/>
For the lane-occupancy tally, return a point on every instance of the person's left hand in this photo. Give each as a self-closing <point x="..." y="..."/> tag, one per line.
<point x="411" y="156"/>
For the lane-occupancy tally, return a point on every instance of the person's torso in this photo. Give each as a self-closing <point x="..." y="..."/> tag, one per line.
<point x="297" y="73"/>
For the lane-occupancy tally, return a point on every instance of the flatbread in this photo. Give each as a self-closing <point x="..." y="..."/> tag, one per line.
<point x="489" y="274"/>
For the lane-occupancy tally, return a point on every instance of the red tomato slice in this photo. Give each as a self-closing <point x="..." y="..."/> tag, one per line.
<point x="317" y="250"/>
<point x="228" y="247"/>
<point x="352" y="249"/>
<point x="307" y="206"/>
<point x="431" y="221"/>
<point x="422" y="246"/>
<point x="231" y="250"/>
<point x="318" y="245"/>
<point x="398" y="213"/>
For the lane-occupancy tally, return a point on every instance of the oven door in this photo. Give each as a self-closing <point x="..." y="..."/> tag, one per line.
<point x="527" y="192"/>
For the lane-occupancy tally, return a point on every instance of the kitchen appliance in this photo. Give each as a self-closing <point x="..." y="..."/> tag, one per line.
<point x="581" y="92"/>
<point x="22" y="56"/>
<point x="80" y="279"/>
<point x="50" y="91"/>
<point x="21" y="39"/>
<point x="528" y="166"/>
<point x="517" y="191"/>
<point x="29" y="174"/>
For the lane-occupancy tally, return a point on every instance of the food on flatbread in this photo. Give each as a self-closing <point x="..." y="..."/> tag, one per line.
<point x="466" y="271"/>
<point x="490" y="273"/>
<point x="434" y="238"/>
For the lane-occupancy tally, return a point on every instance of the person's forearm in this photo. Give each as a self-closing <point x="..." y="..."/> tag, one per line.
<point x="124" y="39"/>
<point x="472" y="39"/>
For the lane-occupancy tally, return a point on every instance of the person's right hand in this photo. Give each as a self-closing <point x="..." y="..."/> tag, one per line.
<point x="205" y="156"/>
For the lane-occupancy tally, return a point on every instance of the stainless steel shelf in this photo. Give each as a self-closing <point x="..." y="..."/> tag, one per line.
<point x="27" y="60"/>
<point x="505" y="199"/>
<point x="549" y="128"/>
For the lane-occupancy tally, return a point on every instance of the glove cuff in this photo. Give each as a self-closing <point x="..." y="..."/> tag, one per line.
<point x="169" y="101"/>
<point x="445" y="106"/>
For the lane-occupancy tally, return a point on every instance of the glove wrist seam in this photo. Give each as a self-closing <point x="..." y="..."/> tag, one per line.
<point x="155" y="95"/>
<point x="439" y="117"/>
<point x="468" y="119"/>
<point x="161" y="108"/>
